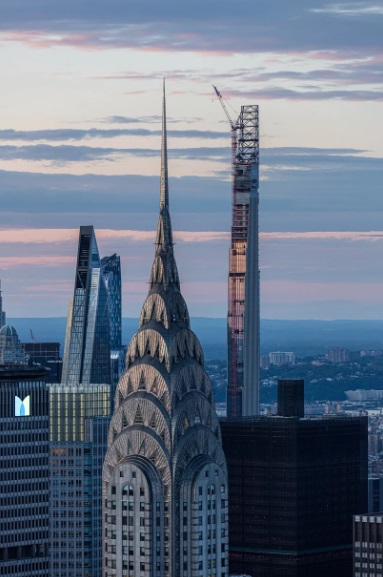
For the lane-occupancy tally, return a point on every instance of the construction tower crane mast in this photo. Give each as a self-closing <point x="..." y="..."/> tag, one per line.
<point x="233" y="125"/>
<point x="243" y="283"/>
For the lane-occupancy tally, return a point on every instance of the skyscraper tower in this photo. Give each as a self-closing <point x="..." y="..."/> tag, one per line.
<point x="243" y="314"/>
<point x="80" y="409"/>
<point x="111" y="270"/>
<point x="87" y="342"/>
<point x="164" y="478"/>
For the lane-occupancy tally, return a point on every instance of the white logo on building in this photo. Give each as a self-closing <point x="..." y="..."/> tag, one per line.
<point x="22" y="408"/>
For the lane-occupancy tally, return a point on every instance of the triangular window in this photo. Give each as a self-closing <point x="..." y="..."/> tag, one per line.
<point x="138" y="419"/>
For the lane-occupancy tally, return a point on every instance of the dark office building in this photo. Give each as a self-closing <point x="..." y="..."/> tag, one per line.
<point x="48" y="356"/>
<point x="24" y="472"/>
<point x="294" y="485"/>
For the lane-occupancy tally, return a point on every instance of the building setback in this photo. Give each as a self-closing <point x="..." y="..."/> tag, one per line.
<point x="294" y="485"/>
<point x="24" y="472"/>
<point x="165" y="478"/>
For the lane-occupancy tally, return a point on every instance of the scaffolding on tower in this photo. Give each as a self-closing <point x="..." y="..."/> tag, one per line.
<point x="243" y="347"/>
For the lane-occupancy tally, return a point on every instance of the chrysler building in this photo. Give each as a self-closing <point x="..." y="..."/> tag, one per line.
<point x="165" y="508"/>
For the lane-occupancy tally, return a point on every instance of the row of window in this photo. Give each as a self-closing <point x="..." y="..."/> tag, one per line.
<point x="367" y="544"/>
<point x="371" y="565"/>
<point x="13" y="449"/>
<point x="23" y="474"/>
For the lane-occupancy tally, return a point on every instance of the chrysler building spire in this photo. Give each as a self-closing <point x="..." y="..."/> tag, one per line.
<point x="164" y="270"/>
<point x="165" y="474"/>
<point x="164" y="196"/>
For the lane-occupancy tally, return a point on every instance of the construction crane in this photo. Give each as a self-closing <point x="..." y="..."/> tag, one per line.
<point x="233" y="125"/>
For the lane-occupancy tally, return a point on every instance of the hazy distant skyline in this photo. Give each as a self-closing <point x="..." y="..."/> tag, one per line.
<point x="80" y="141"/>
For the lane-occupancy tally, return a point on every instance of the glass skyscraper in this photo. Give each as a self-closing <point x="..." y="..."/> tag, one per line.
<point x="111" y="269"/>
<point x="87" y="342"/>
<point x="79" y="419"/>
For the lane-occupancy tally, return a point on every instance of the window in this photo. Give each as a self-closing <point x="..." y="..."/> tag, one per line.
<point x="127" y="490"/>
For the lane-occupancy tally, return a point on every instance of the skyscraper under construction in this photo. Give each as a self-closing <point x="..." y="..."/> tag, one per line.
<point x="243" y="309"/>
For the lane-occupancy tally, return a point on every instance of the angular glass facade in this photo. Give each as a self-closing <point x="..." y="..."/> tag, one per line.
<point x="87" y="342"/>
<point x="111" y="269"/>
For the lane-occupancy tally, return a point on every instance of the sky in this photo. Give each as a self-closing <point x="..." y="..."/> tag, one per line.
<point x="80" y="130"/>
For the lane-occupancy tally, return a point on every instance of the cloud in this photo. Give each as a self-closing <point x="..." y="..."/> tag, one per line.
<point x="146" y="119"/>
<point x="63" y="134"/>
<point x="359" y="9"/>
<point x="280" y="93"/>
<point x="64" y="154"/>
<point x="276" y="158"/>
<point x="356" y="236"/>
<point x="199" y="26"/>
<point x="7" y="262"/>
<point x="305" y="189"/>
<point x="60" y="235"/>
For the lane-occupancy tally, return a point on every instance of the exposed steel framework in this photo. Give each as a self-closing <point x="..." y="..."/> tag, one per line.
<point x="245" y="147"/>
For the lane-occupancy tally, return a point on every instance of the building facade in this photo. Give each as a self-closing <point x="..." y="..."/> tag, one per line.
<point x="338" y="355"/>
<point x="80" y="409"/>
<point x="24" y="472"/>
<point x="79" y="424"/>
<point x="280" y="358"/>
<point x="11" y="350"/>
<point x="164" y="478"/>
<point x="368" y="545"/>
<point x="243" y="281"/>
<point x="111" y="269"/>
<point x="294" y="484"/>
<point x="375" y="493"/>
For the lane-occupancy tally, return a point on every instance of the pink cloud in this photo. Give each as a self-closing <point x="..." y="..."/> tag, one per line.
<point x="55" y="235"/>
<point x="372" y="236"/>
<point x="7" y="262"/>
